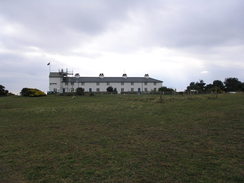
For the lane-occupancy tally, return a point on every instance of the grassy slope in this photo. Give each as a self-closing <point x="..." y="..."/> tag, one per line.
<point x="122" y="139"/>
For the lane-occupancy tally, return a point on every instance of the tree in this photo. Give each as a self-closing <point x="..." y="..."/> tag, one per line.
<point x="192" y="86"/>
<point x="209" y="87"/>
<point x="219" y="84"/>
<point x="3" y="92"/>
<point x="80" y="91"/>
<point x="110" y="89"/>
<point x="198" y="86"/>
<point x="242" y="86"/>
<point x="216" y="87"/>
<point x="233" y="84"/>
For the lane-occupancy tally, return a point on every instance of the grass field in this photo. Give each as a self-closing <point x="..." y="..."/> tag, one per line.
<point x="122" y="138"/>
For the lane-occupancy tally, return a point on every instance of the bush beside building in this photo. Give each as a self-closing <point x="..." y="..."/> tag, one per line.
<point x="32" y="92"/>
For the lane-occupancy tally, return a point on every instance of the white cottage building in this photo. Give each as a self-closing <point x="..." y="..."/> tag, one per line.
<point x="62" y="82"/>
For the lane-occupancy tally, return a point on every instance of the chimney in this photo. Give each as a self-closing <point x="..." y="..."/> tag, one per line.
<point x="77" y="75"/>
<point x="146" y="76"/>
<point x="101" y="75"/>
<point x="124" y="76"/>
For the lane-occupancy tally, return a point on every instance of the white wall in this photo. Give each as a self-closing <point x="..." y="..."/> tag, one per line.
<point x="103" y="87"/>
<point x="56" y="83"/>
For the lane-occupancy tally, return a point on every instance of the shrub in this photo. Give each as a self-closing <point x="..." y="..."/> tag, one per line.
<point x="66" y="94"/>
<point x="32" y="92"/>
<point x="51" y="93"/>
<point x="91" y="94"/>
<point x="80" y="91"/>
<point x="110" y="89"/>
<point x="10" y="94"/>
<point x="166" y="90"/>
<point x="129" y="92"/>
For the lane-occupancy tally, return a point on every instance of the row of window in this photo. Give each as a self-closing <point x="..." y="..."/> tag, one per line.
<point x="122" y="83"/>
<point x="139" y="89"/>
<point x="98" y="90"/>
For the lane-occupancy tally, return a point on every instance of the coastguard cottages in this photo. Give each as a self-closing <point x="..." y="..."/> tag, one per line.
<point x="63" y="81"/>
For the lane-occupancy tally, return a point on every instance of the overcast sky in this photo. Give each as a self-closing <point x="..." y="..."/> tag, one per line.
<point x="176" y="41"/>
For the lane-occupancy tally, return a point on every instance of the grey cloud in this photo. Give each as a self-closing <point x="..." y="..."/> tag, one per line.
<point x="206" y="29"/>
<point x="59" y="24"/>
<point x="18" y="71"/>
<point x="200" y="23"/>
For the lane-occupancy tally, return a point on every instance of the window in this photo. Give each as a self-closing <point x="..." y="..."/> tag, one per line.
<point x="53" y="83"/>
<point x="155" y="89"/>
<point x="132" y="89"/>
<point x="122" y="83"/>
<point x="98" y="90"/>
<point x="145" y="89"/>
<point x="145" y="83"/>
<point x="90" y="89"/>
<point x="108" y="83"/>
<point x="132" y="83"/>
<point x="82" y="83"/>
<point x="122" y="89"/>
<point x="72" y="83"/>
<point x="55" y="89"/>
<point x="66" y="83"/>
<point x="154" y="83"/>
<point x="98" y="83"/>
<point x="72" y="89"/>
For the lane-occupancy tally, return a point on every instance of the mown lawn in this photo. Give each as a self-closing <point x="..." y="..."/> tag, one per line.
<point x="122" y="138"/>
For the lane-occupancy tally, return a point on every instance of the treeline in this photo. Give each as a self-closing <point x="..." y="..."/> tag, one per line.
<point x="200" y="87"/>
<point x="229" y="85"/>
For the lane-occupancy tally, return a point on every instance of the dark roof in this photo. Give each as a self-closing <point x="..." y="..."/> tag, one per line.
<point x="105" y="79"/>
<point x="110" y="79"/>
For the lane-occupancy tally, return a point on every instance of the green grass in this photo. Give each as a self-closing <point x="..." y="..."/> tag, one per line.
<point x="122" y="138"/>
